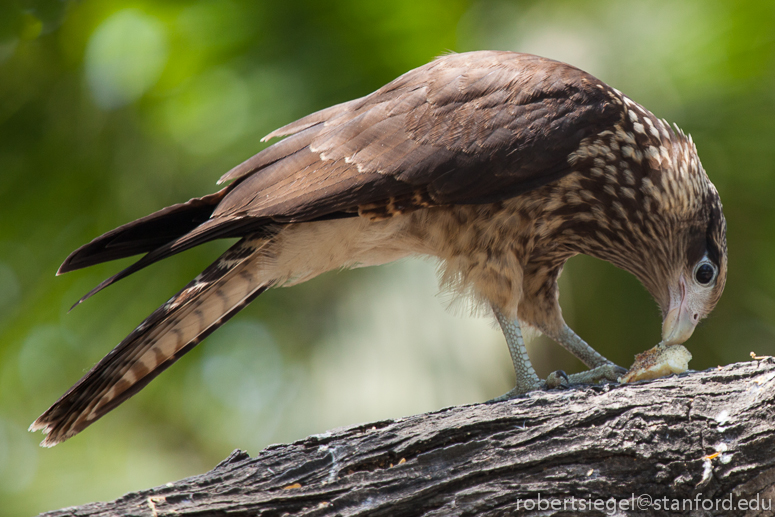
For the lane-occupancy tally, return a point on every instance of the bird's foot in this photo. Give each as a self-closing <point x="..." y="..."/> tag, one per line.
<point x="554" y="380"/>
<point x="604" y="372"/>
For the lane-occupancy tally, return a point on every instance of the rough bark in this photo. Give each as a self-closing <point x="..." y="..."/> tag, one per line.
<point x="707" y="438"/>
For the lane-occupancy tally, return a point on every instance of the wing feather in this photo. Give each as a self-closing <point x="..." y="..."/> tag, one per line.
<point x="465" y="128"/>
<point x="144" y="234"/>
<point x="501" y="121"/>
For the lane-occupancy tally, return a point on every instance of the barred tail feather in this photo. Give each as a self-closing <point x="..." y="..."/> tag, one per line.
<point x="218" y="293"/>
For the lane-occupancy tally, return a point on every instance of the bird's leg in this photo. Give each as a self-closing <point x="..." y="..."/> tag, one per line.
<point x="527" y="379"/>
<point x="578" y="347"/>
<point x="600" y="367"/>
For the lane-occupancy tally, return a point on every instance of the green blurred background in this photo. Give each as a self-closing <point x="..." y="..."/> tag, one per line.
<point x="111" y="109"/>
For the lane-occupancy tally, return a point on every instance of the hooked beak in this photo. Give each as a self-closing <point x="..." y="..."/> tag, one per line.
<point x="680" y="320"/>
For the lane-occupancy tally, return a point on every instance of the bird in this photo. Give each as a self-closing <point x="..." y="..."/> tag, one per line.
<point x="499" y="165"/>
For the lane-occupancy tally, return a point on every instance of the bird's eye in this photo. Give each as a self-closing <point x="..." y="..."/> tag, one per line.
<point x="705" y="273"/>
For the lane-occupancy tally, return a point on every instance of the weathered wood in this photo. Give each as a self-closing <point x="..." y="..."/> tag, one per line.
<point x="700" y="438"/>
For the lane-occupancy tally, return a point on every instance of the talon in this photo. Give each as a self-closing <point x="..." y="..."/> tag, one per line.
<point x="619" y="372"/>
<point x="554" y="380"/>
<point x="613" y="373"/>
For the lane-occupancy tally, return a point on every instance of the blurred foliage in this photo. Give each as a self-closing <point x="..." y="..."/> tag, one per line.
<point x="111" y="109"/>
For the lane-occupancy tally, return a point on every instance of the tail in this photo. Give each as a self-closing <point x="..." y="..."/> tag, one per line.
<point x="217" y="294"/>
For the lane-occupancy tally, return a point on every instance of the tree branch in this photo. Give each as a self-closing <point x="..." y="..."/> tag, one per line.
<point x="701" y="437"/>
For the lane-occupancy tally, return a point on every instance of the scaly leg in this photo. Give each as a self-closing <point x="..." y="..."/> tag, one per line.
<point x="578" y="347"/>
<point x="528" y="380"/>
<point x="600" y="367"/>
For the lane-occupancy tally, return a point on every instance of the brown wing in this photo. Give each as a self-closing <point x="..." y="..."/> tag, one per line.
<point x="466" y="128"/>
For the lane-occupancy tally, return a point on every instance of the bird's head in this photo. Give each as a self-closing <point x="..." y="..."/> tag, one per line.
<point x="689" y="262"/>
<point x="694" y="277"/>
<point x="644" y="203"/>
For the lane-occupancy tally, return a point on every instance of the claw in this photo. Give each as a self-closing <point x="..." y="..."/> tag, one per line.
<point x="619" y="372"/>
<point x="554" y="380"/>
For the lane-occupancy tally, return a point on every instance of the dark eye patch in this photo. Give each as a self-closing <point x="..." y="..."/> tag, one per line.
<point x="709" y="239"/>
<point x="715" y="236"/>
<point x="697" y="248"/>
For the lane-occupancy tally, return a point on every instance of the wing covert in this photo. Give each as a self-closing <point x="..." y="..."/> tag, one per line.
<point x="465" y="128"/>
